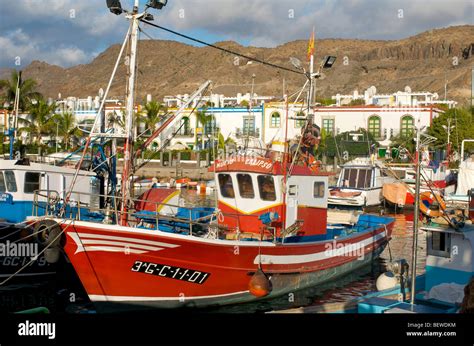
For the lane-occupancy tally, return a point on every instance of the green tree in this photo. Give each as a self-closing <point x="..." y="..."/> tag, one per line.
<point x="66" y="127"/>
<point x="357" y="102"/>
<point x="27" y="90"/>
<point x="153" y="115"/>
<point x="325" y="101"/>
<point x="39" y="122"/>
<point x="463" y="122"/>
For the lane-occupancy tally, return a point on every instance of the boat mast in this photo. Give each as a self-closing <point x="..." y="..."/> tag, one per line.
<point x="416" y="218"/>
<point x="14" y="118"/>
<point x="127" y="160"/>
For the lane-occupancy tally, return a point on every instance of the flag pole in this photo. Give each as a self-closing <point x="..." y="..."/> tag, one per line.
<point x="311" y="79"/>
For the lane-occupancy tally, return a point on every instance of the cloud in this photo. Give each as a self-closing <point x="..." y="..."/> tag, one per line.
<point x="19" y="50"/>
<point x="69" y="32"/>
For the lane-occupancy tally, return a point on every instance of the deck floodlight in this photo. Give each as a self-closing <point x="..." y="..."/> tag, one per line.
<point x="157" y="4"/>
<point x="328" y="61"/>
<point x="114" y="6"/>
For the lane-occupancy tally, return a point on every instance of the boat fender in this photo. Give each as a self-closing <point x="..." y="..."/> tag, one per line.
<point x="46" y="233"/>
<point x="386" y="281"/>
<point x="260" y="285"/>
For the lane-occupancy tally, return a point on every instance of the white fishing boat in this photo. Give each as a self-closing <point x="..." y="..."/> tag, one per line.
<point x="359" y="184"/>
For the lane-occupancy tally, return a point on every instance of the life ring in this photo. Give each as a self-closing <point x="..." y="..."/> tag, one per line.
<point x="426" y="200"/>
<point x="47" y="233"/>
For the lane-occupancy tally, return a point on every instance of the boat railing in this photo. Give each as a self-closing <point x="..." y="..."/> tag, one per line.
<point x="50" y="203"/>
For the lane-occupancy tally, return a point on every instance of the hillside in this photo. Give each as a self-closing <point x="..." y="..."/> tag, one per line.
<point x="423" y="62"/>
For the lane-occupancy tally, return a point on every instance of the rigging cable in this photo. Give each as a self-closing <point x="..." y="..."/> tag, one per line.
<point x="222" y="49"/>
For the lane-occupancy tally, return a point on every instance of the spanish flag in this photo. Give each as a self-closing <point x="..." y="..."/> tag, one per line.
<point x="311" y="45"/>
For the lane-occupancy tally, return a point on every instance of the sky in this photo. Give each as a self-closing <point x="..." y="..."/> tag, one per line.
<point x="72" y="32"/>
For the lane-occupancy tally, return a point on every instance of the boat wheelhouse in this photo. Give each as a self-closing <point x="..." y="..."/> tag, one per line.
<point x="20" y="179"/>
<point x="359" y="184"/>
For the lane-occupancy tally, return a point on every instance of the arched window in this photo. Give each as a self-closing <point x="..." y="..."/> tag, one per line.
<point x="406" y="126"/>
<point x="275" y="120"/>
<point x="375" y="126"/>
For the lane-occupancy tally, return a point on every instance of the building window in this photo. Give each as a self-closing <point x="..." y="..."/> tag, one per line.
<point x="32" y="182"/>
<point x="328" y="125"/>
<point x="375" y="126"/>
<point x="275" y="120"/>
<point x="406" y="126"/>
<point x="10" y="181"/>
<point x="301" y="122"/>
<point x="226" y="186"/>
<point x="248" y="128"/>
<point x="210" y="127"/>
<point x="185" y="129"/>
<point x="266" y="187"/>
<point x="245" y="186"/>
<point x="318" y="189"/>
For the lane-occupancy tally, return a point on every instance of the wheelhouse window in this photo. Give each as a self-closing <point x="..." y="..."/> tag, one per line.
<point x="439" y="244"/>
<point x="375" y="126"/>
<point x="226" y="186"/>
<point x="2" y="183"/>
<point x="245" y="186"/>
<point x="318" y="189"/>
<point x="358" y="178"/>
<point x="266" y="187"/>
<point x="10" y="181"/>
<point x="32" y="182"/>
<point x="275" y="120"/>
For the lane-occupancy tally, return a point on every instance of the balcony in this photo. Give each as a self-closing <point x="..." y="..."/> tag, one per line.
<point x="241" y="132"/>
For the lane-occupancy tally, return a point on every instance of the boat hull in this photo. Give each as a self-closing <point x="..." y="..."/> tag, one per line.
<point x="127" y="268"/>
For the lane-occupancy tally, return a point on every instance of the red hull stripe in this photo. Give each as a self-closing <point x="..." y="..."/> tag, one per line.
<point x="102" y="242"/>
<point x="320" y="256"/>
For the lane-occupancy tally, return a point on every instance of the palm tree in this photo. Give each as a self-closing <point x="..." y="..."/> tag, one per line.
<point x="154" y="112"/>
<point x="66" y="127"/>
<point x="202" y="118"/>
<point x="40" y="121"/>
<point x="27" y="90"/>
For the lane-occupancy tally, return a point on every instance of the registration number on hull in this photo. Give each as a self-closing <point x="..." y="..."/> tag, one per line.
<point x="177" y="273"/>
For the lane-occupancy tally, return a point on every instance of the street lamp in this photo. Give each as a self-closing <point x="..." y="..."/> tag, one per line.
<point x="448" y="130"/>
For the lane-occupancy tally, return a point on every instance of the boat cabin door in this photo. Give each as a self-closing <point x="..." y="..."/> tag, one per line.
<point x="291" y="204"/>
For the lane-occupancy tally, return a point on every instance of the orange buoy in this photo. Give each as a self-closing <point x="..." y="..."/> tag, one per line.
<point x="260" y="285"/>
<point x="425" y="208"/>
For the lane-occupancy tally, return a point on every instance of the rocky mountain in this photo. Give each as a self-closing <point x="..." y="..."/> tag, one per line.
<point x="423" y="62"/>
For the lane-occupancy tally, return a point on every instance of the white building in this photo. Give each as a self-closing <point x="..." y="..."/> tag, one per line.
<point x="382" y="122"/>
<point x="399" y="98"/>
<point x="230" y="122"/>
<point x="216" y="100"/>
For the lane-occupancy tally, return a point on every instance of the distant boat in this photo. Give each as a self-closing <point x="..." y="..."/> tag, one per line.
<point x="359" y="184"/>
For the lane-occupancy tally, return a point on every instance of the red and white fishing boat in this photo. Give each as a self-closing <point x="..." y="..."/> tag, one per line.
<point x="243" y="256"/>
<point x="269" y="235"/>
